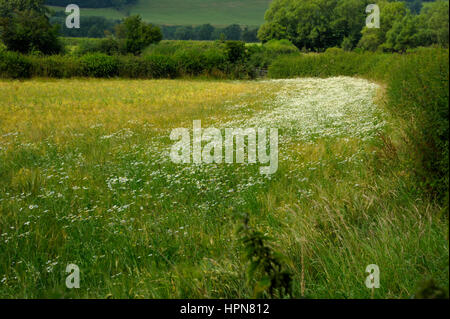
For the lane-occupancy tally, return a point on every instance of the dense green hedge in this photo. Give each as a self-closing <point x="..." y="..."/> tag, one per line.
<point x="211" y="62"/>
<point x="417" y="91"/>
<point x="14" y="65"/>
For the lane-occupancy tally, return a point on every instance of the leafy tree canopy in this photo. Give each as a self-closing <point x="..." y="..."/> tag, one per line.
<point x="315" y="25"/>
<point x="134" y="34"/>
<point x="25" y="27"/>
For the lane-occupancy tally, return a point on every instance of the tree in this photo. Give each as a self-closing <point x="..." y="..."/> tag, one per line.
<point x="134" y="34"/>
<point x="434" y="20"/>
<point x="403" y="35"/>
<point x="414" y="5"/>
<point x="390" y="13"/>
<point x="250" y="35"/>
<point x="233" y="32"/>
<point x="184" y="33"/>
<point x="205" y="32"/>
<point x="349" y="19"/>
<point x="427" y="28"/>
<point x="314" y="24"/>
<point x="24" y="27"/>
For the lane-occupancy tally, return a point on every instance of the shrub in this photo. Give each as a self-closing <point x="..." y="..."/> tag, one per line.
<point x="281" y="47"/>
<point x="109" y="46"/>
<point x="160" y="66"/>
<point x="14" y="65"/>
<point x="170" y="47"/>
<point x="135" y="35"/>
<point x="99" y="65"/>
<point x="56" y="66"/>
<point x="214" y="59"/>
<point x="190" y="62"/>
<point x="133" y="67"/>
<point x="235" y="51"/>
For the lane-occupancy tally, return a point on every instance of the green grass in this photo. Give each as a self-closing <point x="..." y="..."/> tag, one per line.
<point x="108" y="13"/>
<point x="193" y="12"/>
<point x="84" y="179"/>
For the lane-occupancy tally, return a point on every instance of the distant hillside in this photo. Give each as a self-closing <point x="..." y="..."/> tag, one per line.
<point x="184" y="12"/>
<point x="92" y="3"/>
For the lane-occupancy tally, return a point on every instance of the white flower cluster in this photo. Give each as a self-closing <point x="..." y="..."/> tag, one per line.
<point x="310" y="108"/>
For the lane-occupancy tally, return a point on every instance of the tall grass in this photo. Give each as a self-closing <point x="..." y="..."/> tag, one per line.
<point x="82" y="181"/>
<point x="417" y="94"/>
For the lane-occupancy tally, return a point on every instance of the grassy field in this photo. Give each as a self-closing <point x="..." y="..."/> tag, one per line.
<point x="109" y="13"/>
<point x="85" y="178"/>
<point x="193" y="12"/>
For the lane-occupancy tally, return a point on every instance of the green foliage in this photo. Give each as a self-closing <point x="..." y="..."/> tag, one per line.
<point x="160" y="66"/>
<point x="92" y="27"/>
<point x="403" y="35"/>
<point x="314" y="24"/>
<point x="14" y="65"/>
<point x="99" y="58"/>
<point x="209" y="32"/>
<point x="233" y="32"/>
<point x="56" y="66"/>
<point x="282" y="46"/>
<point x="205" y="32"/>
<point x="429" y="289"/>
<point x="400" y="30"/>
<point x="249" y="35"/>
<point x="261" y="56"/>
<point x="434" y="22"/>
<point x="135" y="35"/>
<point x="132" y="67"/>
<point x="390" y="13"/>
<point x="24" y="27"/>
<point x="418" y="89"/>
<point x="109" y="46"/>
<point x="169" y="47"/>
<point x="235" y="51"/>
<point x="266" y="266"/>
<point x="99" y="65"/>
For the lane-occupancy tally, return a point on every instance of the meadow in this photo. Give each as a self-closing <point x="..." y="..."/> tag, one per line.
<point x="194" y="12"/>
<point x="85" y="178"/>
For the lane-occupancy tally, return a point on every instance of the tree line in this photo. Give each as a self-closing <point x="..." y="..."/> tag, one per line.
<point x="315" y="25"/>
<point x="311" y="25"/>
<point x="99" y="27"/>
<point x="26" y="28"/>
